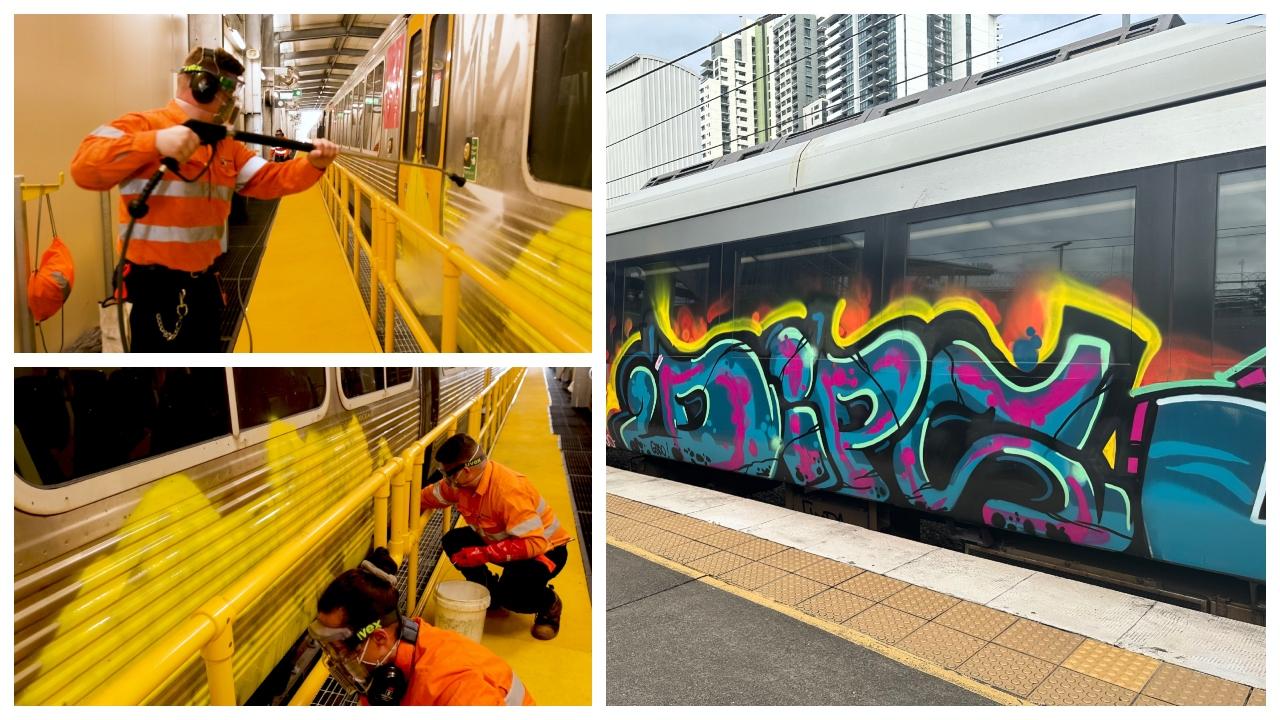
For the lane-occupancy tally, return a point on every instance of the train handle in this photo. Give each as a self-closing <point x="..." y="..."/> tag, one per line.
<point x="210" y="133"/>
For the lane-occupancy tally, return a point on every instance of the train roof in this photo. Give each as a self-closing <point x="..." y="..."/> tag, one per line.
<point x="1045" y="93"/>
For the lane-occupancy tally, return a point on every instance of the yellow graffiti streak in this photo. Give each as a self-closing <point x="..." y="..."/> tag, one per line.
<point x="179" y="546"/>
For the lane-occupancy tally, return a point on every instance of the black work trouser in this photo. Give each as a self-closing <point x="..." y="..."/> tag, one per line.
<point x="522" y="586"/>
<point x="156" y="290"/>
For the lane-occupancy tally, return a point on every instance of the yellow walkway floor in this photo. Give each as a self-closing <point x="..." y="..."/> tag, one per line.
<point x="304" y="298"/>
<point x="558" y="671"/>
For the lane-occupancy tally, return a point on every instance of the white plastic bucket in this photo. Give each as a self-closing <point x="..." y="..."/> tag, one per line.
<point x="461" y="606"/>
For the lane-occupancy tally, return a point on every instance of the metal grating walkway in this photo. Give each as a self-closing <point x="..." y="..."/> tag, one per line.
<point x="573" y="427"/>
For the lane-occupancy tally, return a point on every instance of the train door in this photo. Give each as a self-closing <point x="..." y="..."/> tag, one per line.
<point x="422" y="177"/>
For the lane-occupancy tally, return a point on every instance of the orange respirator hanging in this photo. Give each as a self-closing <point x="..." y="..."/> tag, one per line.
<point x="50" y="283"/>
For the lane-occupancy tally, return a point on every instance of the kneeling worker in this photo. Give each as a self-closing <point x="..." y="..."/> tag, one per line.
<point x="177" y="300"/>
<point x="390" y="659"/>
<point x="508" y="524"/>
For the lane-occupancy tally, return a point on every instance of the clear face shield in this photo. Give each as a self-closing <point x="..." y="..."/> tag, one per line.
<point x="341" y="648"/>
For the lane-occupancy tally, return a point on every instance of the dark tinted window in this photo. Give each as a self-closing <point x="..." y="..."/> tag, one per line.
<point x="771" y="273"/>
<point x="267" y="394"/>
<point x="992" y="256"/>
<point x="560" y="114"/>
<point x="72" y="423"/>
<point x="1240" y="282"/>
<point x="410" y="129"/>
<point x="678" y="290"/>
<point x="433" y="132"/>
<point x="362" y="381"/>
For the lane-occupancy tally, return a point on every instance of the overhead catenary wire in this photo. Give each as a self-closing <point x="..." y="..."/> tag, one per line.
<point x="801" y="117"/>
<point x="763" y="19"/>
<point x="752" y="81"/>
<point x="1233" y="22"/>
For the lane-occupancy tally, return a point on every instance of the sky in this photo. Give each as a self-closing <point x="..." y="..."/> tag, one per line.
<point x="669" y="36"/>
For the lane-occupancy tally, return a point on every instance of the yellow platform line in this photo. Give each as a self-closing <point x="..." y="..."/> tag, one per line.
<point x="899" y="656"/>
<point x="557" y="671"/>
<point x="305" y="298"/>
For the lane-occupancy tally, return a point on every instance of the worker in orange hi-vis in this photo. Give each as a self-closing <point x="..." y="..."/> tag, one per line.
<point x="509" y="524"/>
<point x="390" y="659"/>
<point x="177" y="300"/>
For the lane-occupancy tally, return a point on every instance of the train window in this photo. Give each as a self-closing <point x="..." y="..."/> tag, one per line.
<point x="996" y="255"/>
<point x="438" y="62"/>
<point x="76" y="422"/>
<point x="409" y="143"/>
<point x="264" y="395"/>
<point x="560" y="113"/>
<point x="1240" y="281"/>
<point x="361" y="386"/>
<point x="678" y="290"/>
<point x="771" y="273"/>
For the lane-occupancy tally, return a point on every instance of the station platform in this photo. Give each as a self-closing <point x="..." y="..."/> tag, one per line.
<point x="556" y="671"/>
<point x="304" y="297"/>
<point x="729" y="583"/>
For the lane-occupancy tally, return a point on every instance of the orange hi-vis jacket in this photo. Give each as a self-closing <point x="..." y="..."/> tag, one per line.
<point x="504" y="504"/>
<point x="445" y="668"/>
<point x="186" y="227"/>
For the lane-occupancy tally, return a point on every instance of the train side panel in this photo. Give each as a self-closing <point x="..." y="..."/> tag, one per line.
<point x="97" y="585"/>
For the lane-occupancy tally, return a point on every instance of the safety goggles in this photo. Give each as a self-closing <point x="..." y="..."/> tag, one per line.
<point x="475" y="460"/>
<point x="228" y="83"/>
<point x="339" y="645"/>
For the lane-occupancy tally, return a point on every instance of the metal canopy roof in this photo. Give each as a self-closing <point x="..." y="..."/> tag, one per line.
<point x="324" y="49"/>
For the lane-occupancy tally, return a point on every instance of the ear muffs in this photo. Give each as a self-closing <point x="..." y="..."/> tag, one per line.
<point x="204" y="87"/>
<point x="387" y="685"/>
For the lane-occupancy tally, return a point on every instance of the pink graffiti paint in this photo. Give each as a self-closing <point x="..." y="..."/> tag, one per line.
<point x="793" y="371"/>
<point x="893" y="358"/>
<point x="1133" y="466"/>
<point x="1257" y="377"/>
<point x="738" y="391"/>
<point x="751" y="446"/>
<point x="1139" y="421"/>
<point x="667" y="380"/>
<point x="1031" y="411"/>
<point x="807" y="462"/>
<point x="795" y="424"/>
<point x="880" y="423"/>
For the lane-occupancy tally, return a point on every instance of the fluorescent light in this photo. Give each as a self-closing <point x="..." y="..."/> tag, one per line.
<point x="950" y="230"/>
<point x="235" y="38"/>
<point x="1066" y="212"/>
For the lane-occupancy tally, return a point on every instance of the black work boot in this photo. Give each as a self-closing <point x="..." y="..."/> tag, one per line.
<point x="547" y="624"/>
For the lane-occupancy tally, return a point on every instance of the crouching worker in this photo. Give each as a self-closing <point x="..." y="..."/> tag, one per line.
<point x="390" y="659"/>
<point x="508" y="524"/>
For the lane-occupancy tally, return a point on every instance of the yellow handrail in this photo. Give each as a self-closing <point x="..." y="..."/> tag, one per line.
<point x="455" y="262"/>
<point x="209" y="630"/>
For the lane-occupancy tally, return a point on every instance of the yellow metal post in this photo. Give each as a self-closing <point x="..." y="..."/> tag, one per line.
<point x="380" y="497"/>
<point x="390" y="234"/>
<point x="399" y="512"/>
<point x="451" y="303"/>
<point x="217" y="662"/>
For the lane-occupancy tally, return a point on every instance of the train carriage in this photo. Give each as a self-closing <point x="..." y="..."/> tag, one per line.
<point x="139" y="492"/>
<point x="479" y="127"/>
<point x="1031" y="299"/>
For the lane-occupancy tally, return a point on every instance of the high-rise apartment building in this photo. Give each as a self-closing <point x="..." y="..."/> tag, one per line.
<point x="793" y="43"/>
<point x="727" y="116"/>
<point x="641" y="107"/>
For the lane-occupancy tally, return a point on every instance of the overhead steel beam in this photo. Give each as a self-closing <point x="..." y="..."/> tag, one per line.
<point x="328" y="31"/>
<point x="322" y="52"/>
<point x="324" y="67"/>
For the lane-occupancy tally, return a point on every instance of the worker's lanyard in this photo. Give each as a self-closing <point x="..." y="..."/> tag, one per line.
<point x="213" y="150"/>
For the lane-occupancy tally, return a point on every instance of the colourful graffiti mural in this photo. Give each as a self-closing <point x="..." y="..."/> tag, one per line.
<point x="1051" y="429"/>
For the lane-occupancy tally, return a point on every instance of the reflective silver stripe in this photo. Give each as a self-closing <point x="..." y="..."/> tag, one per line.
<point x="107" y="131"/>
<point x="515" y="696"/>
<point x="526" y="527"/>
<point x="171" y="233"/>
<point x="435" y="490"/>
<point x="551" y="529"/>
<point x="178" y="188"/>
<point x="493" y="536"/>
<point x="542" y="506"/>
<point x="247" y="172"/>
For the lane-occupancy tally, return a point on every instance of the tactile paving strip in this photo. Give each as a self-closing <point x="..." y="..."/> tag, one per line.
<point x="1040" y="641"/>
<point x="1068" y="687"/>
<point x="1045" y="665"/>
<point x="885" y="623"/>
<point x="1180" y="686"/>
<point x="1007" y="669"/>
<point x="921" y="602"/>
<point x="1112" y="664"/>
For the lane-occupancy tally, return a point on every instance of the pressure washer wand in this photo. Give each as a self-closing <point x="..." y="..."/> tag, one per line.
<point x="210" y="133"/>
